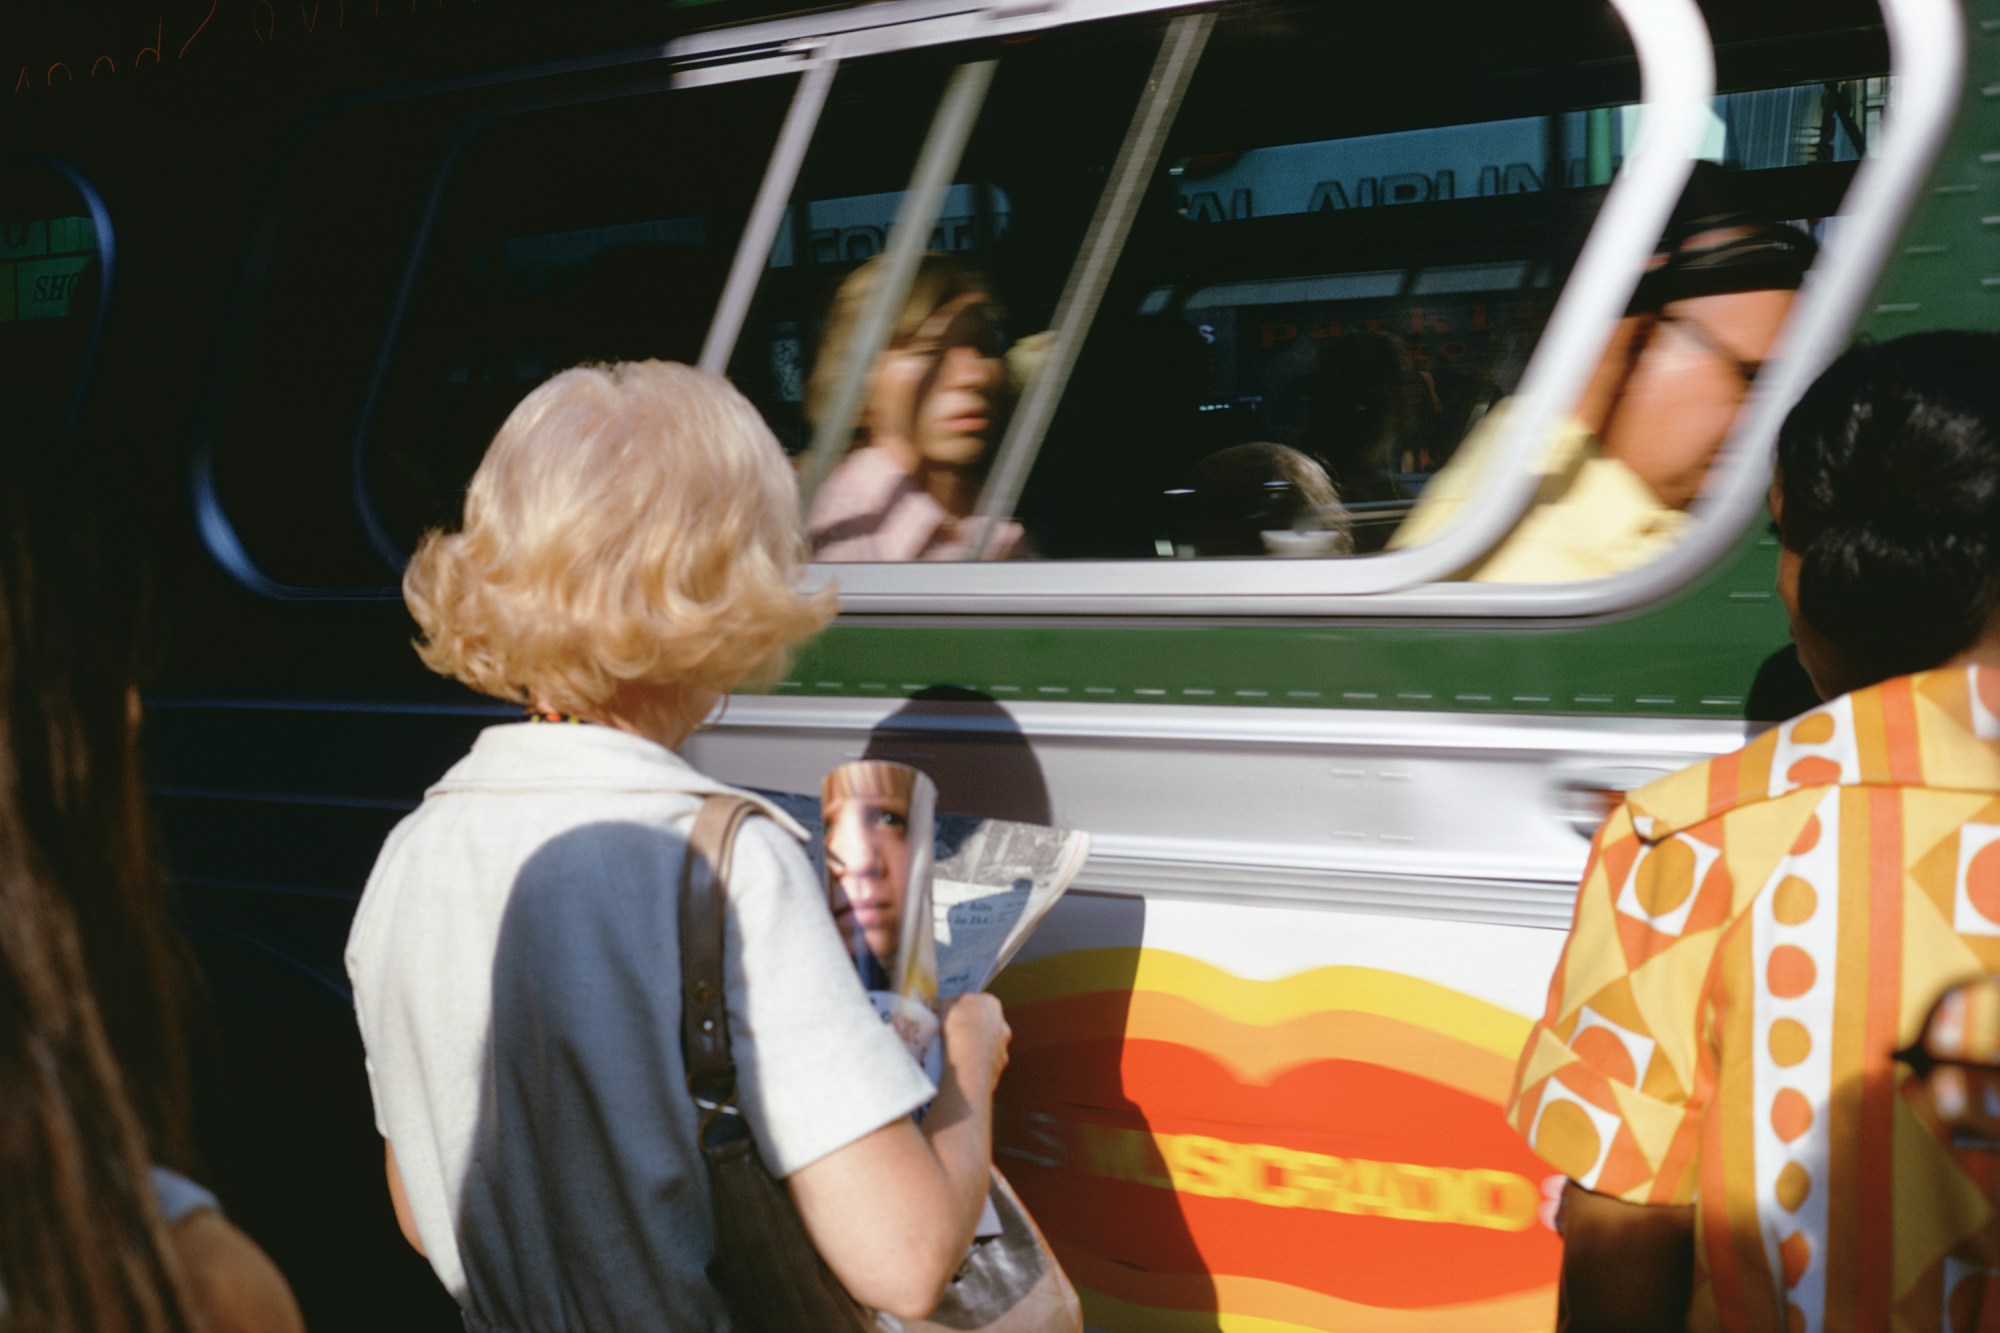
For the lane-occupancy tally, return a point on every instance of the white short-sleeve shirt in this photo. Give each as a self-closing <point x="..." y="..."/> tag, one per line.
<point x="515" y="961"/>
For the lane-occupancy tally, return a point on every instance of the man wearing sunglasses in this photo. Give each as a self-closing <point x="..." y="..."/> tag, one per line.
<point x="1616" y="481"/>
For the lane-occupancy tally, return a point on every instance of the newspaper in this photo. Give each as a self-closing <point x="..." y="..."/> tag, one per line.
<point x="988" y="882"/>
<point x="926" y="918"/>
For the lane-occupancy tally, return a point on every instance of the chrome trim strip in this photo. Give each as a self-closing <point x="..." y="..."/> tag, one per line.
<point x="923" y="200"/>
<point x="1682" y="740"/>
<point x="1472" y="818"/>
<point x="1103" y="242"/>
<point x="760" y="233"/>
<point x="875" y="29"/>
<point x="1548" y="904"/>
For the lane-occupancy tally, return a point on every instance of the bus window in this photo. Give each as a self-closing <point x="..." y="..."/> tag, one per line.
<point x="598" y="230"/>
<point x="932" y="396"/>
<point x="1320" y="321"/>
<point x="430" y="260"/>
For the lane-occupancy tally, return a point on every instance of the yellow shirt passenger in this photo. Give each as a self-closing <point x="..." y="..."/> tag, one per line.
<point x="1591" y="517"/>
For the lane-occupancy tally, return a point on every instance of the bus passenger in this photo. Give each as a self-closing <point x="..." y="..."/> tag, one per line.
<point x="1616" y="482"/>
<point x="909" y="487"/>
<point x="97" y="1234"/>
<point x="1265" y="499"/>
<point x="629" y="553"/>
<point x="1360" y="406"/>
<point x="1757" y="935"/>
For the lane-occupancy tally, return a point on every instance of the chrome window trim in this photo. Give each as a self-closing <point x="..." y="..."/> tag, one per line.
<point x="923" y="199"/>
<point x="754" y="51"/>
<point x="1181" y="47"/>
<point x="1354" y="834"/>
<point x="767" y="212"/>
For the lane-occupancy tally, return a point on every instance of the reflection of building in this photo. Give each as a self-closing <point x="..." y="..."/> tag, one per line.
<point x="1776" y="127"/>
<point x="849" y="230"/>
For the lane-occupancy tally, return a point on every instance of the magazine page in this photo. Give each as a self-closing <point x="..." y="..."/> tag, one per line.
<point x="878" y="888"/>
<point x="994" y="883"/>
<point x="878" y="883"/>
<point x="990" y="883"/>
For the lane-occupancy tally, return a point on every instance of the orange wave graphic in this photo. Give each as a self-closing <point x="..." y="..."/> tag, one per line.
<point x="1259" y="1029"/>
<point x="1255" y="1053"/>
<point x="1164" y="1300"/>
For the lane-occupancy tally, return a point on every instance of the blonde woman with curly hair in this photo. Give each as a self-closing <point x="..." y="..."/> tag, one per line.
<point x="629" y="553"/>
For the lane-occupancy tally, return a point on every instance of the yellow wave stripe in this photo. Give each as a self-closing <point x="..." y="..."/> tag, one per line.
<point x="1254" y="1305"/>
<point x="1258" y="1054"/>
<point x="1365" y="990"/>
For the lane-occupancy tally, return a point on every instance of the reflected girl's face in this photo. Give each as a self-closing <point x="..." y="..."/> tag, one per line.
<point x="936" y="397"/>
<point x="868" y="868"/>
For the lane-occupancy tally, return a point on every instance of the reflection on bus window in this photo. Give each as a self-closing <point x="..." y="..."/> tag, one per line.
<point x="1260" y="499"/>
<point x="936" y="401"/>
<point x="1616" y="481"/>
<point x="1335" y="266"/>
<point x="1362" y="276"/>
<point x="49" y="291"/>
<point x="936" y="396"/>
<point x="601" y="261"/>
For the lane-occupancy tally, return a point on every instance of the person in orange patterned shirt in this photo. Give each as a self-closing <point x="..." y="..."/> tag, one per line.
<point x="1757" y="935"/>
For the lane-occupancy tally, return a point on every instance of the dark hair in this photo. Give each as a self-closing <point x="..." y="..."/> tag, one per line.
<point x="1714" y="247"/>
<point x="90" y="1043"/>
<point x="939" y="280"/>
<point x="1890" y="472"/>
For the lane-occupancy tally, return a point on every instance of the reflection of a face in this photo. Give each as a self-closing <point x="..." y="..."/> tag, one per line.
<point x="933" y="398"/>
<point x="868" y="868"/>
<point x="1681" y="377"/>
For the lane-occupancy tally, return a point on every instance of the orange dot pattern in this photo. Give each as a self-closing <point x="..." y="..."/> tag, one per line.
<point x="1791" y="1114"/>
<point x="1794" y="902"/>
<point x="1789" y="974"/>
<point x="1982" y="882"/>
<point x="1794" y="1187"/>
<point x="1767" y="965"/>
<point x="1790" y="1042"/>
<point x="1666" y="878"/>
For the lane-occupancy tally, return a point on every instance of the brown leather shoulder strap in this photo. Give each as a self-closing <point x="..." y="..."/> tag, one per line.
<point x="711" y="1072"/>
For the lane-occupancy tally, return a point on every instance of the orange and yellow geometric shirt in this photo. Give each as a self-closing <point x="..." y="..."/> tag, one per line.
<point x="1755" y="936"/>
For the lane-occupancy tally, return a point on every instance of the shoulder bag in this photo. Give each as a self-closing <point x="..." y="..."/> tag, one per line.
<point x="765" y="1266"/>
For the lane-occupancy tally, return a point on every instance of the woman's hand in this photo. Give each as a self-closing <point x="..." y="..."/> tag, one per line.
<point x="893" y="1212"/>
<point x="976" y="1037"/>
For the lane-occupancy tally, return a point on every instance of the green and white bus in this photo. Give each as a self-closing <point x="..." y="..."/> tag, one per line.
<point x="1338" y="801"/>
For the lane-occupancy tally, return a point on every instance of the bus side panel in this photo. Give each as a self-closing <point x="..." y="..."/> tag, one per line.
<point x="1279" y="1119"/>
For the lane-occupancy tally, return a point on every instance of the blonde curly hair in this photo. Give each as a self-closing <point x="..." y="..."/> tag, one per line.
<point x="630" y="523"/>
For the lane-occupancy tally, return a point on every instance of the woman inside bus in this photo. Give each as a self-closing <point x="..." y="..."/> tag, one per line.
<point x="94" y="1233"/>
<point x="628" y="555"/>
<point x="909" y="487"/>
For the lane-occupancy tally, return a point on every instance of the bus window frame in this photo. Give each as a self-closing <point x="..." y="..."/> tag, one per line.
<point x="1677" y="83"/>
<point x="1923" y="34"/>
